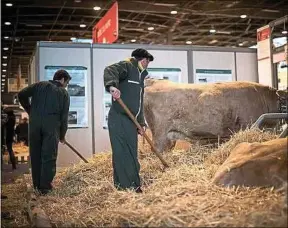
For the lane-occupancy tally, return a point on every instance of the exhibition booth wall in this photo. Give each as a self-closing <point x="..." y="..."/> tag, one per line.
<point x="90" y="103"/>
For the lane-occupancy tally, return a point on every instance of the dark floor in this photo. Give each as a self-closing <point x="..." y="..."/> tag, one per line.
<point x="9" y="176"/>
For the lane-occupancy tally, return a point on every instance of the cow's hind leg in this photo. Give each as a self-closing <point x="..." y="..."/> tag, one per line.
<point x="162" y="142"/>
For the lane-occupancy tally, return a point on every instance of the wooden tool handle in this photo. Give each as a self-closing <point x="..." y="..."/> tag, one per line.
<point x="120" y="101"/>
<point x="76" y="152"/>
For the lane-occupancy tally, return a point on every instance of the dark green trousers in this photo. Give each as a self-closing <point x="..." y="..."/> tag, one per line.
<point x="124" y="141"/>
<point x="44" y="140"/>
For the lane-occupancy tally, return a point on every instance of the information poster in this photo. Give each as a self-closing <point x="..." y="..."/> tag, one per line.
<point x="77" y="89"/>
<point x="107" y="103"/>
<point x="282" y="73"/>
<point x="204" y="76"/>
<point x="172" y="74"/>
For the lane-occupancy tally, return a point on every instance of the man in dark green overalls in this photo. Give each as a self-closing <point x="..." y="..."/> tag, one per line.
<point x="126" y="78"/>
<point x="48" y="112"/>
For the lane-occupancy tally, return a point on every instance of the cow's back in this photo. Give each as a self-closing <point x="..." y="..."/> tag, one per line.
<point x="197" y="110"/>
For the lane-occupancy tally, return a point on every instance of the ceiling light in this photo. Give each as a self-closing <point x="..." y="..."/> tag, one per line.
<point x="97" y="8"/>
<point x="73" y="38"/>
<point x="232" y="4"/>
<point x="9" y="4"/>
<point x="270" y="10"/>
<point x="212" y="30"/>
<point x="173" y="12"/>
<point x="150" y="28"/>
<point x="82" y="25"/>
<point x="133" y="41"/>
<point x="284" y="32"/>
<point x="7" y="23"/>
<point x="3" y="80"/>
<point x="188" y="42"/>
<point x="241" y="44"/>
<point x="213" y="41"/>
<point x="4" y="64"/>
<point x="6" y="37"/>
<point x="4" y="57"/>
<point x="4" y="70"/>
<point x="243" y="16"/>
<point x="224" y="32"/>
<point x="77" y="1"/>
<point x="33" y="25"/>
<point x="253" y="46"/>
<point x="3" y="76"/>
<point x="6" y="49"/>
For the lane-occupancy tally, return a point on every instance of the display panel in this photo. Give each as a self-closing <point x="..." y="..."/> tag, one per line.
<point x="204" y="76"/>
<point x="77" y="89"/>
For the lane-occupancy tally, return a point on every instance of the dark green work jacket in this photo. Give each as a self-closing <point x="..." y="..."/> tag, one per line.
<point x="129" y="79"/>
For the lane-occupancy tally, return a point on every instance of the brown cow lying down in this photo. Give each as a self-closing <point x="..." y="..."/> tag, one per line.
<point x="196" y="111"/>
<point x="255" y="164"/>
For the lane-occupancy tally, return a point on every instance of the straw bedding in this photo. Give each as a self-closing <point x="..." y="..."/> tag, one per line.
<point x="182" y="195"/>
<point x="20" y="148"/>
<point x="14" y="205"/>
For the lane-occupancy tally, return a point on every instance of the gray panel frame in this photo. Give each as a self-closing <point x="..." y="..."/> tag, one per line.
<point x="37" y="64"/>
<point x="235" y="66"/>
<point x="174" y="48"/>
<point x="45" y="44"/>
<point x="92" y="101"/>
<point x="151" y="47"/>
<point x="62" y="44"/>
<point x="190" y="66"/>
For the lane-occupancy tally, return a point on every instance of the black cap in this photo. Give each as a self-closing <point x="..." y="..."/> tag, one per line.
<point x="141" y="53"/>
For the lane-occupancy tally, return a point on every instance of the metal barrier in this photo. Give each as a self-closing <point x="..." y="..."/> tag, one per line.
<point x="272" y="116"/>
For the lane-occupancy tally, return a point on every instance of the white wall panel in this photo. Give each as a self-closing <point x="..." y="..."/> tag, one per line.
<point x="213" y="60"/>
<point x="80" y="138"/>
<point x="105" y="57"/>
<point x="265" y="72"/>
<point x="247" y="67"/>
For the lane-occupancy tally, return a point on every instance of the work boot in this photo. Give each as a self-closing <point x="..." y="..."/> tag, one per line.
<point x="44" y="192"/>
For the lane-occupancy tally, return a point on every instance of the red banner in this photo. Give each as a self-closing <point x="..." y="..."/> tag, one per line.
<point x="106" y="30"/>
<point x="263" y="34"/>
